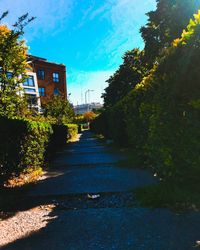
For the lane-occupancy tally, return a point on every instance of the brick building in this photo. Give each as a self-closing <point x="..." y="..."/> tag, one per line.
<point x="51" y="78"/>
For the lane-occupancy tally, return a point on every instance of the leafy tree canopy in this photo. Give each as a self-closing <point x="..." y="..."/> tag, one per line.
<point x="166" y="24"/>
<point x="125" y="78"/>
<point x="13" y="65"/>
<point x="60" y="109"/>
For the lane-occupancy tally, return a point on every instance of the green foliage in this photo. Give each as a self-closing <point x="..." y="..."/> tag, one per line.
<point x="101" y="124"/>
<point x="27" y="145"/>
<point x="34" y="145"/>
<point x="13" y="53"/>
<point x="159" y="118"/>
<point x="57" y="140"/>
<point x="179" y="196"/>
<point x="78" y="119"/>
<point x="166" y="24"/>
<point x="172" y="143"/>
<point x="24" y="145"/>
<point x="11" y="136"/>
<point x="60" y="109"/>
<point x="72" y="131"/>
<point x="125" y="78"/>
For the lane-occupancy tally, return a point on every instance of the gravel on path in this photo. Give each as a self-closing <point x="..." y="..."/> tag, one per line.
<point x="22" y="224"/>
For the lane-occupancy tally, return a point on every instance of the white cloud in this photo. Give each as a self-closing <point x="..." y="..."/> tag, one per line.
<point x="49" y="16"/>
<point x="126" y="18"/>
<point x="80" y="82"/>
<point x="101" y="10"/>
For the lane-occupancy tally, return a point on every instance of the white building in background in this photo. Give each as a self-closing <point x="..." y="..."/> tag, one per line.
<point x="83" y="108"/>
<point x="30" y="87"/>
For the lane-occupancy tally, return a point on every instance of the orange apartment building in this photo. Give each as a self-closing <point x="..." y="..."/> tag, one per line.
<point x="51" y="78"/>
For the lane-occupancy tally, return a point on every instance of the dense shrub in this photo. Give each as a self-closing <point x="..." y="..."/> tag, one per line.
<point x="61" y="134"/>
<point x="59" y="109"/>
<point x="101" y="123"/>
<point x="173" y="136"/>
<point x="25" y="145"/>
<point x="33" y="145"/>
<point x="11" y="137"/>
<point x="57" y="139"/>
<point x="22" y="145"/>
<point x="159" y="118"/>
<point x="72" y="131"/>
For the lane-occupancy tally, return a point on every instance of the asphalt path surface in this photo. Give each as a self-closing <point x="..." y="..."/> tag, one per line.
<point x="93" y="206"/>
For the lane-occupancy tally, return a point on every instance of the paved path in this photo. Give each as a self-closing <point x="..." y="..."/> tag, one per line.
<point x="111" y="221"/>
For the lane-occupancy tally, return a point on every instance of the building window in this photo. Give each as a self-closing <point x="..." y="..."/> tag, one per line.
<point x="32" y="99"/>
<point x="29" y="82"/>
<point x="29" y="90"/>
<point x="56" y="91"/>
<point x="55" y="77"/>
<point x="41" y="91"/>
<point x="41" y="74"/>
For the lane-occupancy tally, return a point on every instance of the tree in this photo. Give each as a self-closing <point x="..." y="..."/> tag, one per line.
<point x="125" y="78"/>
<point x="166" y="24"/>
<point x="13" y="65"/>
<point x="89" y="116"/>
<point x="60" y="109"/>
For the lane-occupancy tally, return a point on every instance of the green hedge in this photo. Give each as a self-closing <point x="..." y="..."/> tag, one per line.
<point x="26" y="145"/>
<point x="12" y="134"/>
<point x="22" y="145"/>
<point x="72" y="130"/>
<point x="160" y="118"/>
<point x="100" y="125"/>
<point x="57" y="140"/>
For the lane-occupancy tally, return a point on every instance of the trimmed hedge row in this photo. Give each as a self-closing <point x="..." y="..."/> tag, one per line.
<point x="57" y="139"/>
<point x="160" y="118"/>
<point x="25" y="145"/>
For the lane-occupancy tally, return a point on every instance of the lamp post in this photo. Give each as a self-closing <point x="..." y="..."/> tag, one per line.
<point x="86" y="96"/>
<point x="88" y="92"/>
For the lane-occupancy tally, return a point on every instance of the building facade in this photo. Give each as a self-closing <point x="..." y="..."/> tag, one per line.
<point x="31" y="90"/>
<point x="51" y="78"/>
<point x="44" y="80"/>
<point x="83" y="108"/>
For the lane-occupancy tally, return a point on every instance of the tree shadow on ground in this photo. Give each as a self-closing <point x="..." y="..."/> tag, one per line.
<point x="113" y="221"/>
<point x="112" y="228"/>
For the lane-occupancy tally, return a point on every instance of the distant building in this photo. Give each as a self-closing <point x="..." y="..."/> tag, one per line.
<point x="83" y="108"/>
<point x="51" y="78"/>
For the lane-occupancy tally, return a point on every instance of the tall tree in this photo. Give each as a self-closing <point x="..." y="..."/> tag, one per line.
<point x="166" y="24"/>
<point x="125" y="78"/>
<point x="13" y="65"/>
<point x="59" y="108"/>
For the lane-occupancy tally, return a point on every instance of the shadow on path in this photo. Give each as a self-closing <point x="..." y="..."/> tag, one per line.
<point x="111" y="221"/>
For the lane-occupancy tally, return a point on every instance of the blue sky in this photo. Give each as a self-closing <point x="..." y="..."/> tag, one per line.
<point x="88" y="36"/>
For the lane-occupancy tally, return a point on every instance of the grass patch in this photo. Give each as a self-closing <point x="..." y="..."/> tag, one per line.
<point x="178" y="196"/>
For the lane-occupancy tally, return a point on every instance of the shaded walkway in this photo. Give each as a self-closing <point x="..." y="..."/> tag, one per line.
<point x="113" y="220"/>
